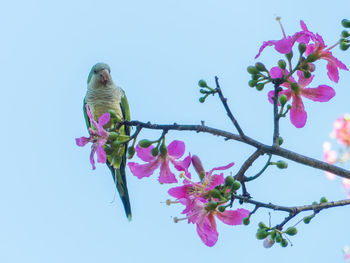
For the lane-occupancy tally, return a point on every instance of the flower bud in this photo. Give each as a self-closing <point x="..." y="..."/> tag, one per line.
<point x="295" y="87"/>
<point x="307" y="219"/>
<point x="289" y="56"/>
<point x="345" y="23"/>
<point x="246" y="221"/>
<point x="306" y="74"/>
<point x="302" y="48"/>
<point x="345" y="34"/>
<point x="284" y="242"/>
<point x="154" y="152"/>
<point x="291" y="231"/>
<point x="278" y="237"/>
<point x="323" y="200"/>
<point x="262" y="225"/>
<point x="203" y="91"/>
<point x="268" y="242"/>
<point x="289" y="107"/>
<point x="282" y="64"/>
<point x="261" y="234"/>
<point x="198" y="166"/>
<point x="215" y="193"/>
<point x="280" y="140"/>
<point x="314" y="203"/>
<point x="260" y="86"/>
<point x="344" y="46"/>
<point x="252" y="83"/>
<point x="282" y="164"/>
<point x="131" y="152"/>
<point x="260" y="66"/>
<point x="222" y="208"/>
<point x="252" y="70"/>
<point x="255" y="77"/>
<point x="202" y="99"/>
<point x="112" y="136"/>
<point x="211" y="206"/>
<point x="236" y="185"/>
<point x="229" y="181"/>
<point x="145" y="143"/>
<point x="202" y="83"/>
<point x="282" y="99"/>
<point x="163" y="150"/>
<point x="312" y="57"/>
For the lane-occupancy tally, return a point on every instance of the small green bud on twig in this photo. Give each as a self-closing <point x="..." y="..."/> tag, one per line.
<point x="291" y="231"/>
<point x="260" y="66"/>
<point x="145" y="143"/>
<point x="345" y="23"/>
<point x="282" y="64"/>
<point x="260" y="86"/>
<point x="154" y="152"/>
<point x="323" y="200"/>
<point x="302" y="48"/>
<point x="281" y="164"/>
<point x="252" y="83"/>
<point x="252" y="70"/>
<point x="202" y="83"/>
<point x="246" y="221"/>
<point x="282" y="99"/>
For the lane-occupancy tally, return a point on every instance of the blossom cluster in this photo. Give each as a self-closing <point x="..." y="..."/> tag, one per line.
<point x="311" y="48"/>
<point x="204" y="200"/>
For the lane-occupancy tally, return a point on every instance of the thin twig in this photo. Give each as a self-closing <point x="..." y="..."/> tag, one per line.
<point x="251" y="178"/>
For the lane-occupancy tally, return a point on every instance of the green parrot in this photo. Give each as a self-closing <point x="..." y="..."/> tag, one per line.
<point x="103" y="95"/>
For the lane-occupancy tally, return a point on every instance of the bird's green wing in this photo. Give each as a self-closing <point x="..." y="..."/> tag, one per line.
<point x="87" y="121"/>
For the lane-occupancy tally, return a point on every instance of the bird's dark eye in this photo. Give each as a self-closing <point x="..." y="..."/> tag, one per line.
<point x="95" y="71"/>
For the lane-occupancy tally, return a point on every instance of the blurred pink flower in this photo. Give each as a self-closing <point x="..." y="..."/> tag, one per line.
<point x="342" y="129"/>
<point x="176" y="150"/>
<point x="98" y="137"/>
<point x="298" y="114"/>
<point x="330" y="156"/>
<point x="346" y="185"/>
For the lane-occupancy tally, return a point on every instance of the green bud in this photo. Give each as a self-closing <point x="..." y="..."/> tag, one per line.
<point x="229" y="181"/>
<point x="289" y="56"/>
<point x="344" y="46"/>
<point x="255" y="77"/>
<point x="295" y="87"/>
<point x="323" y="200"/>
<point x="222" y="208"/>
<point x="312" y="57"/>
<point x="203" y="91"/>
<point x="252" y="70"/>
<point x="345" y="34"/>
<point x="145" y="143"/>
<point x="154" y="152"/>
<point x="211" y="206"/>
<point x="262" y="225"/>
<point x="273" y="234"/>
<point x="261" y="234"/>
<point x="302" y="48"/>
<point x="282" y="164"/>
<point x="260" y="86"/>
<point x="314" y="203"/>
<point x="291" y="231"/>
<point x="131" y="152"/>
<point x="280" y="140"/>
<point x="282" y="64"/>
<point x="202" y="83"/>
<point x="345" y="23"/>
<point x="215" y="193"/>
<point x="202" y="99"/>
<point x="306" y="74"/>
<point x="236" y="185"/>
<point x="260" y="66"/>
<point x="252" y="83"/>
<point x="113" y="135"/>
<point x="163" y="149"/>
<point x="278" y="237"/>
<point x="282" y="99"/>
<point x="307" y="219"/>
<point x="246" y="221"/>
<point x="289" y="107"/>
<point x="284" y="243"/>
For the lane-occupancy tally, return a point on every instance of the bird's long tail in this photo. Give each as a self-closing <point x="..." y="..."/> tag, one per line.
<point x="119" y="178"/>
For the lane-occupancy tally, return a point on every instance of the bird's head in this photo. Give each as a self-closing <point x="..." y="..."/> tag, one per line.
<point x="100" y="74"/>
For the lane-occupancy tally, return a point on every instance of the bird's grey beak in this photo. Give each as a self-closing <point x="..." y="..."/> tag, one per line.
<point x="104" y="76"/>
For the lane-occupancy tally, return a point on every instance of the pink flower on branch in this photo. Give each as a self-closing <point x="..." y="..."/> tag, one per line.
<point x="176" y="150"/>
<point x="342" y="129"/>
<point x="98" y="137"/>
<point x="330" y="156"/>
<point x="298" y="114"/>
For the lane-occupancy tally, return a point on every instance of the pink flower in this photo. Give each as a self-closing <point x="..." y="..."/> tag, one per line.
<point x="298" y="114"/>
<point x="319" y="48"/>
<point x="342" y="129"/>
<point x="98" y="137"/>
<point x="346" y="186"/>
<point x="204" y="218"/>
<point x="176" y="150"/>
<point x="330" y="156"/>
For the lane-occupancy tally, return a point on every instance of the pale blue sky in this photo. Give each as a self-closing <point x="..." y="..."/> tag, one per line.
<point x="56" y="209"/>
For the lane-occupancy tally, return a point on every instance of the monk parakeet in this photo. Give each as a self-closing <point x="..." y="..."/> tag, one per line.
<point x="103" y="95"/>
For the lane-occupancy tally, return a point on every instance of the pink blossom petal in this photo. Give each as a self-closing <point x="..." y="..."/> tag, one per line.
<point x="92" y="120"/>
<point x="302" y="81"/>
<point x="233" y="217"/>
<point x="284" y="46"/>
<point x="346" y="183"/>
<point x="298" y="115"/>
<point x="82" y="141"/>
<point x="322" y="93"/>
<point x="303" y="26"/>
<point x="176" y="149"/>
<point x="207" y="232"/>
<point x="332" y="71"/>
<point x="92" y="160"/>
<point x="220" y="168"/>
<point x="271" y="93"/>
<point x="145" y="153"/>
<point x="104" y="119"/>
<point x="309" y="49"/>
<point x="182" y="165"/>
<point x="215" y="180"/>
<point x="179" y="191"/>
<point x="264" y="45"/>
<point x="166" y="176"/>
<point x="276" y="72"/>
<point x="101" y="154"/>
<point x="143" y="170"/>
